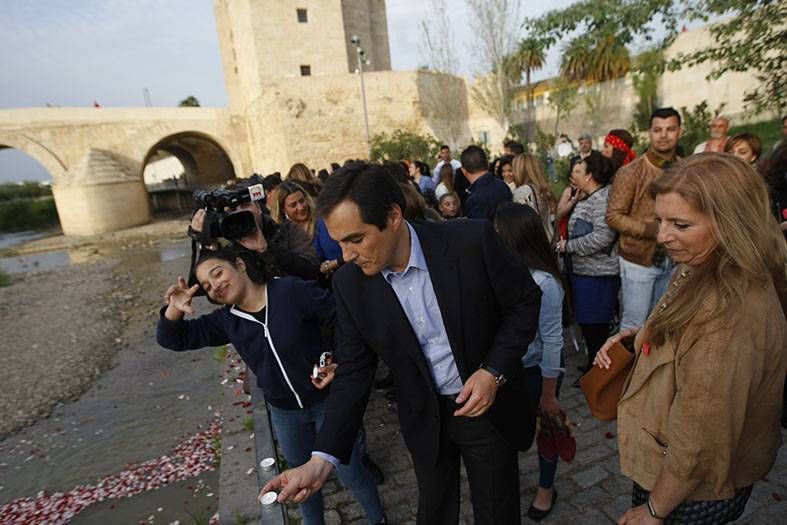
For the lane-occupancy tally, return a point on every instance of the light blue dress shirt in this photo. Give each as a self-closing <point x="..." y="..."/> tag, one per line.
<point x="413" y="287"/>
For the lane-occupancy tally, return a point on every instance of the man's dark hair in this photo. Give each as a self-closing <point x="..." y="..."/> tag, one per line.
<point x="367" y="185"/>
<point x="269" y="182"/>
<point x="664" y="113"/>
<point x="474" y="159"/>
<point x="516" y="148"/>
<point x="444" y="146"/>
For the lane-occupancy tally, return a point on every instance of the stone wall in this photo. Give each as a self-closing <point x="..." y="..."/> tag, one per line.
<point x="367" y="19"/>
<point x="689" y="86"/>
<point x="320" y="120"/>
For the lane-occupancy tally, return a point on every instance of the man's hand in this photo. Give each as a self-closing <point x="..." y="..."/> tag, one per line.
<point x="639" y="516"/>
<point x="325" y="376"/>
<point x="298" y="484"/>
<point x="255" y="242"/>
<point x="198" y="220"/>
<point x="478" y="394"/>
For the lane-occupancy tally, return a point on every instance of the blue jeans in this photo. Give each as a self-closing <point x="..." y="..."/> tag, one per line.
<point x="641" y="288"/>
<point x="546" y="469"/>
<point x="296" y="431"/>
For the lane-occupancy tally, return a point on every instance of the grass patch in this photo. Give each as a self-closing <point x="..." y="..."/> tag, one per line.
<point x="215" y="444"/>
<point x="5" y="279"/>
<point x="220" y="353"/>
<point x="249" y="424"/>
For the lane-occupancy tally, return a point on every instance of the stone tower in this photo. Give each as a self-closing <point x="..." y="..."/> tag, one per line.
<point x="263" y="41"/>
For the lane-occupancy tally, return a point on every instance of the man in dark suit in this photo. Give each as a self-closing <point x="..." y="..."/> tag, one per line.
<point x="451" y="312"/>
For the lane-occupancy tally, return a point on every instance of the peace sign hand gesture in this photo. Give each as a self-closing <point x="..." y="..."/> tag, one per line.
<point x="178" y="298"/>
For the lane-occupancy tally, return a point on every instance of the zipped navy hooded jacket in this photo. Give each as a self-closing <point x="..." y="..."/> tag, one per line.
<point x="299" y="315"/>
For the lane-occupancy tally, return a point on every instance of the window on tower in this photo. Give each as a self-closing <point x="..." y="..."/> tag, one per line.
<point x="306" y="71"/>
<point x="303" y="16"/>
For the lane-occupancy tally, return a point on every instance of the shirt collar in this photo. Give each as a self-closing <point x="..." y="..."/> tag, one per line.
<point x="483" y="180"/>
<point x="416" y="260"/>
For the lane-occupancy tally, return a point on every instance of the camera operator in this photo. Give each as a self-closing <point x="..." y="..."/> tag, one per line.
<point x="284" y="249"/>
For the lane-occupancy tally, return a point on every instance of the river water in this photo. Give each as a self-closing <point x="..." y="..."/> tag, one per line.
<point x="137" y="411"/>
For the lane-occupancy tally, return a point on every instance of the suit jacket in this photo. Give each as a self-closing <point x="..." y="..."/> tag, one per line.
<point x="490" y="308"/>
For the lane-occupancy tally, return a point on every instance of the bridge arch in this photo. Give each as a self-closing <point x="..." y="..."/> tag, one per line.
<point x="182" y="162"/>
<point x="45" y="156"/>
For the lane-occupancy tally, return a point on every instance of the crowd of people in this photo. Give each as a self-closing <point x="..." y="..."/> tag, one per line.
<point x="464" y="278"/>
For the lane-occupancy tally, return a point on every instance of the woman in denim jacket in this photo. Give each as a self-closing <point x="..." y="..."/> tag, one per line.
<point x="521" y="229"/>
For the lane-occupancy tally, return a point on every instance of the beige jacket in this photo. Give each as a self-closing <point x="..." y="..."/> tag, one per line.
<point x="630" y="211"/>
<point x="708" y="406"/>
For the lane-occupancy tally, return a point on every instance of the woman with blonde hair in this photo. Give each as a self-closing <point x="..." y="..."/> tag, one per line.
<point x="698" y="418"/>
<point x="533" y="189"/>
<point x="301" y="174"/>
<point x="292" y="203"/>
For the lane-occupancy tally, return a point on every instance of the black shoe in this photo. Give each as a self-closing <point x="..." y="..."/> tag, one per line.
<point x="383" y="521"/>
<point x="374" y="468"/>
<point x="538" y="514"/>
<point x="384" y="383"/>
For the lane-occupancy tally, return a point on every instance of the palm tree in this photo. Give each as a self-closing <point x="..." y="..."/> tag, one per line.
<point x="576" y="63"/>
<point x="596" y="61"/>
<point x="611" y="59"/>
<point x="529" y="56"/>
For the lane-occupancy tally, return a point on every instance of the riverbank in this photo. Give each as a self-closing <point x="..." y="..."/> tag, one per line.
<point x="62" y="327"/>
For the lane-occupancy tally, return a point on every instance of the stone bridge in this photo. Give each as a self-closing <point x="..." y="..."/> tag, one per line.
<point x="96" y="156"/>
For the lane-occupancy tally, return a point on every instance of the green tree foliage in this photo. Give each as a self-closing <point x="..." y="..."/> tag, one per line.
<point x="26" y="190"/>
<point x="27" y="214"/>
<point x="695" y="125"/>
<point x="530" y="56"/>
<point x="26" y="206"/>
<point x="647" y="71"/>
<point x="563" y="99"/>
<point x="586" y="59"/>
<point x="404" y="145"/>
<point x="189" y="102"/>
<point x="752" y="37"/>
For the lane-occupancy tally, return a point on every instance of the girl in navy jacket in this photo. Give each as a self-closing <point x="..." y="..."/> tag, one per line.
<point x="277" y="328"/>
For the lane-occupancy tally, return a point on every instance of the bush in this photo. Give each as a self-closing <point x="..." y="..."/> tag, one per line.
<point x="404" y="145"/>
<point x="27" y="214"/>
<point x="5" y="279"/>
<point x="26" y="190"/>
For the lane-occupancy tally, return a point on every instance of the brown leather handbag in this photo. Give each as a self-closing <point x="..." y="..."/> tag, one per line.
<point x="602" y="387"/>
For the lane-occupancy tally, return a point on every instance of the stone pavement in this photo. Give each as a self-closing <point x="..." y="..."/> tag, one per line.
<point x="591" y="488"/>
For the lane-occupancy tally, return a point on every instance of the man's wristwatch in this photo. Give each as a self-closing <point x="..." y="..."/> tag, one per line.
<point x="500" y="379"/>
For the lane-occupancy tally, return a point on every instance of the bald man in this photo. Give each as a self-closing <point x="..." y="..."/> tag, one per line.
<point x="718" y="136"/>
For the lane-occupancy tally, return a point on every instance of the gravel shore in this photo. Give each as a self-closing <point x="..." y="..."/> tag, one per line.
<point x="60" y="328"/>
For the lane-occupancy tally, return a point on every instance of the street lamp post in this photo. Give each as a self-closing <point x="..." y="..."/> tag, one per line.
<point x="361" y="61"/>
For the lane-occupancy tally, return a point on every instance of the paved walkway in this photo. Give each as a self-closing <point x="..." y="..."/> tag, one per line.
<point x="591" y="488"/>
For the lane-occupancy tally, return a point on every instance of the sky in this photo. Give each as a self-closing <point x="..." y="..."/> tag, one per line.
<point x="72" y="53"/>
